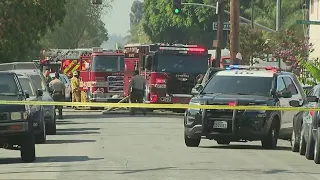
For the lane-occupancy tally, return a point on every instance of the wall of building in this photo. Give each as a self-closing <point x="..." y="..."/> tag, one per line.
<point x="314" y="31"/>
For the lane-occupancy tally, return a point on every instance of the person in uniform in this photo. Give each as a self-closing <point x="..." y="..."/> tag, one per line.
<point x="47" y="76"/>
<point x="58" y="92"/>
<point x="136" y="90"/>
<point x="75" y="88"/>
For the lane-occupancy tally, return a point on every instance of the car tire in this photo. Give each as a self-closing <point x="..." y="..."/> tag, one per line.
<point x="42" y="137"/>
<point x="316" y="150"/>
<point x="310" y="145"/>
<point x="52" y="127"/>
<point x="302" y="143"/>
<point x="295" y="143"/>
<point x="191" y="142"/>
<point x="28" y="149"/>
<point x="223" y="142"/>
<point x="271" y="140"/>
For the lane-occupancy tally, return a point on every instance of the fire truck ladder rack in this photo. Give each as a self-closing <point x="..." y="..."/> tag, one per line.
<point x="59" y="54"/>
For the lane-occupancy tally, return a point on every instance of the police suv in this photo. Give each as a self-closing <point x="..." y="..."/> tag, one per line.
<point x="244" y="86"/>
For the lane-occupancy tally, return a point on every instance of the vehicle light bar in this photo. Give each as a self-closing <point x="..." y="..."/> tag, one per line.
<point x="189" y="49"/>
<point x="97" y="49"/>
<point x="272" y="68"/>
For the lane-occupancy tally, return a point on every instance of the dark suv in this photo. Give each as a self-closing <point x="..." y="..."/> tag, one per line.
<point x="16" y="125"/>
<point x="250" y="86"/>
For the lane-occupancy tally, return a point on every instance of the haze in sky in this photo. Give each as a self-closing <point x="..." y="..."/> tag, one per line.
<point x="117" y="20"/>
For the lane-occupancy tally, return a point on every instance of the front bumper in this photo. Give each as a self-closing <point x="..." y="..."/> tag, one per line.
<point x="106" y="97"/>
<point x="239" y="126"/>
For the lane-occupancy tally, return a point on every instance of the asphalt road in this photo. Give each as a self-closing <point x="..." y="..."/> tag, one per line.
<point x="119" y="147"/>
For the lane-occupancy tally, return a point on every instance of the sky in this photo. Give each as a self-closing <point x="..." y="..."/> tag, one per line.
<point x="117" y="20"/>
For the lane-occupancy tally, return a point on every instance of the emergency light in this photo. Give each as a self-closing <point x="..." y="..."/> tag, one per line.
<point x="187" y="49"/>
<point x="97" y="49"/>
<point x="269" y="68"/>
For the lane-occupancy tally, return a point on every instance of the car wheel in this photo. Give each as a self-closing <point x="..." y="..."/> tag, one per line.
<point x="28" y="150"/>
<point x="316" y="150"/>
<point x="294" y="141"/>
<point x="191" y="142"/>
<point x="42" y="137"/>
<point x="270" y="142"/>
<point x="223" y="142"/>
<point x="310" y="145"/>
<point x="52" y="127"/>
<point x="303" y="143"/>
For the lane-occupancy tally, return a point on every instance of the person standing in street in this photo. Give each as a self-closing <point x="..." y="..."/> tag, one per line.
<point x="136" y="90"/>
<point x="58" y="89"/>
<point x="75" y="88"/>
<point x="47" y="76"/>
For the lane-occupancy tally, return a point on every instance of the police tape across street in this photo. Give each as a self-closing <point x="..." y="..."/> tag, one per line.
<point x="159" y="106"/>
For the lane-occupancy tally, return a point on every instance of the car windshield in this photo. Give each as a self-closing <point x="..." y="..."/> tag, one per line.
<point x="8" y="85"/>
<point x="242" y="85"/>
<point x="108" y="63"/>
<point x="182" y="63"/>
<point x="38" y="82"/>
<point x="27" y="86"/>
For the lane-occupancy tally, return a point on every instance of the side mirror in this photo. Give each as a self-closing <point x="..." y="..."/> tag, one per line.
<point x="149" y="59"/>
<point x="312" y="99"/>
<point x="39" y="93"/>
<point x="286" y="94"/>
<point x="199" y="87"/>
<point x="294" y="103"/>
<point x="26" y="93"/>
<point x="87" y="65"/>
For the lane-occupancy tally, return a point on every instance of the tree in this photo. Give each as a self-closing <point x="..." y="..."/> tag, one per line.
<point x="23" y="23"/>
<point x="136" y="32"/>
<point x="252" y="44"/>
<point x="81" y="27"/>
<point x="136" y="13"/>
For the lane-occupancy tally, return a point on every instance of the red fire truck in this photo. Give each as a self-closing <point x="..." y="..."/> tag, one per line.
<point x="101" y="71"/>
<point x="101" y="75"/>
<point x="171" y="71"/>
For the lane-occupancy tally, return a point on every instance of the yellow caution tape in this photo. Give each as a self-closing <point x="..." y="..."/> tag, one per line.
<point x="159" y="106"/>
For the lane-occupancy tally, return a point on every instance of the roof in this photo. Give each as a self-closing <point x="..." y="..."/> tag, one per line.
<point x="252" y="73"/>
<point x="7" y="72"/>
<point x="27" y="71"/>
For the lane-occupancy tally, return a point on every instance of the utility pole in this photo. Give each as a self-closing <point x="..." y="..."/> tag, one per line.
<point x="252" y="14"/>
<point x="278" y="23"/>
<point x="234" y="28"/>
<point x="220" y="11"/>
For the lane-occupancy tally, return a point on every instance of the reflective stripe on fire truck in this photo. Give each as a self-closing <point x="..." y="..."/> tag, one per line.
<point x="66" y="70"/>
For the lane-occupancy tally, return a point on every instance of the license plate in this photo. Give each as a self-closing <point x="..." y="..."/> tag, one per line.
<point x="220" y="124"/>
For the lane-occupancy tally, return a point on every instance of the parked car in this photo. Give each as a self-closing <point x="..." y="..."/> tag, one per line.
<point x="49" y="111"/>
<point x="67" y="83"/>
<point x="306" y="134"/>
<point x="18" y="65"/>
<point x="16" y="121"/>
<point x="34" y="94"/>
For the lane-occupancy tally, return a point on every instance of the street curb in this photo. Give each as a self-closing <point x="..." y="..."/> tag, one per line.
<point x="148" y="114"/>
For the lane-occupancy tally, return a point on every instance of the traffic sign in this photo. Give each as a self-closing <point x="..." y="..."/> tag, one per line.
<point x="226" y="26"/>
<point x="307" y="22"/>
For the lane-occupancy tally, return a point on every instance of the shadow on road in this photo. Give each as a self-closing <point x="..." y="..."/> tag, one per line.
<point x="103" y="116"/>
<point x="255" y="147"/>
<point x="65" y="122"/>
<point x="75" y="132"/>
<point x="176" y="169"/>
<point x="80" y="129"/>
<point x="68" y="141"/>
<point x="51" y="159"/>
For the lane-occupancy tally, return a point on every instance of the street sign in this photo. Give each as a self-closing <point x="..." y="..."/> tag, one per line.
<point x="307" y="22"/>
<point x="226" y="26"/>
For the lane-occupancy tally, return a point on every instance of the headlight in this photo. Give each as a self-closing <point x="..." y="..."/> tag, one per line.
<point x="16" y="116"/>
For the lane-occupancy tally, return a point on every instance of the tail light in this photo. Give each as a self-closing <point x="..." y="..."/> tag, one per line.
<point x="312" y="113"/>
<point x="161" y="81"/>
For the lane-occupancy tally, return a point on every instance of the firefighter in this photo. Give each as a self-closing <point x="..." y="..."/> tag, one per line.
<point x="75" y="88"/>
<point x="58" y="92"/>
<point x="136" y="90"/>
<point x="47" y="76"/>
